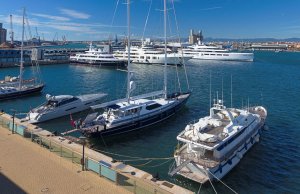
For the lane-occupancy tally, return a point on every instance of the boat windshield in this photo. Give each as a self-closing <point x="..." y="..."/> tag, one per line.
<point x="51" y="103"/>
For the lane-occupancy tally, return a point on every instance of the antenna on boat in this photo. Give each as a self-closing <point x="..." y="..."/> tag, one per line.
<point x="248" y="104"/>
<point x="22" y="45"/>
<point x="242" y="103"/>
<point x="231" y="91"/>
<point x="165" y="33"/>
<point x="222" y="91"/>
<point x="128" y="52"/>
<point x="261" y="97"/>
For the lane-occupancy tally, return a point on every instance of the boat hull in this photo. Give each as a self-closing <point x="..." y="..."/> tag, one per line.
<point x="139" y="123"/>
<point x="217" y="170"/>
<point x="224" y="56"/>
<point x="20" y="93"/>
<point x="67" y="110"/>
<point x="101" y="63"/>
<point x="171" y="60"/>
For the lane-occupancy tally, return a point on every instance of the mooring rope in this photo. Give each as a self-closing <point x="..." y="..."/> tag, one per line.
<point x="223" y="183"/>
<point x="211" y="183"/>
<point x="134" y="158"/>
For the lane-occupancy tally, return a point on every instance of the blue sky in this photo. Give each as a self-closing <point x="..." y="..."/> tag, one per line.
<point x="92" y="19"/>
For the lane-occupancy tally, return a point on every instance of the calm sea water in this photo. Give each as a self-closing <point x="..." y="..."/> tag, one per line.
<point x="273" y="80"/>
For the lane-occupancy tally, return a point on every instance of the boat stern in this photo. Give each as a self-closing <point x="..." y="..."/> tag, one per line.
<point x="32" y="117"/>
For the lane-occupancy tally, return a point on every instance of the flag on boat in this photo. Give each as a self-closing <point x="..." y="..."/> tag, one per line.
<point x="72" y="121"/>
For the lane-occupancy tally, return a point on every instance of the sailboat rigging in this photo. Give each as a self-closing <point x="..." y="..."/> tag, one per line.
<point x="134" y="112"/>
<point x="21" y="89"/>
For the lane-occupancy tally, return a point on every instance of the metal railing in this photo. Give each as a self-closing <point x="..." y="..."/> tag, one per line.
<point x="122" y="179"/>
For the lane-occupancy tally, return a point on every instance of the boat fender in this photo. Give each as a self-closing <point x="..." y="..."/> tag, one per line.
<point x="239" y="155"/>
<point x="251" y="140"/>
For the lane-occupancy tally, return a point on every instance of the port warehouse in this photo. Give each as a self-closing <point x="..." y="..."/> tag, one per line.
<point x="10" y="57"/>
<point x="129" y="177"/>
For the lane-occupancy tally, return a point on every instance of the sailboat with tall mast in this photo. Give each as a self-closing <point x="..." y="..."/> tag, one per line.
<point x="20" y="89"/>
<point x="134" y="112"/>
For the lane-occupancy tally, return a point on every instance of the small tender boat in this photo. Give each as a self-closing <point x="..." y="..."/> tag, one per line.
<point x="62" y="105"/>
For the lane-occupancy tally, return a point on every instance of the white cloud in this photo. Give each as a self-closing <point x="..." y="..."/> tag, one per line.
<point x="58" y="18"/>
<point x="18" y="20"/>
<point x="75" y="14"/>
<point x="48" y="25"/>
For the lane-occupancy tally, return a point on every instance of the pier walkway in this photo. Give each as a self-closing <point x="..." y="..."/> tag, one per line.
<point x="32" y="169"/>
<point x="35" y="160"/>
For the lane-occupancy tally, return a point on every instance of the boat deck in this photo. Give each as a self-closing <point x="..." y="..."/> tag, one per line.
<point x="197" y="177"/>
<point x="207" y="160"/>
<point x="211" y="130"/>
<point x="217" y="130"/>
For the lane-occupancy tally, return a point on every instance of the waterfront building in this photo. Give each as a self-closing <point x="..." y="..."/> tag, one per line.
<point x="3" y="32"/>
<point x="9" y="57"/>
<point x="194" y="38"/>
<point x="269" y="46"/>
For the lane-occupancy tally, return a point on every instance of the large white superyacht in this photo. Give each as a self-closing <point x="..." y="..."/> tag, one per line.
<point x="147" y="54"/>
<point x="212" y="146"/>
<point x="202" y="51"/>
<point x="97" y="57"/>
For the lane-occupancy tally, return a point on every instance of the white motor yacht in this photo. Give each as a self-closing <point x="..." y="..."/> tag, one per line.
<point x="62" y="105"/>
<point x="202" y="51"/>
<point x="212" y="146"/>
<point x="98" y="57"/>
<point x="147" y="54"/>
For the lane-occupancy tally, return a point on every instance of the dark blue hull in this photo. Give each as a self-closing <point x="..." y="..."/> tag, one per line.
<point x="139" y="124"/>
<point x="100" y="64"/>
<point x="21" y="93"/>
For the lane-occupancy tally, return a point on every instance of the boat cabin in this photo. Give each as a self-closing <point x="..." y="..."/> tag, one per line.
<point x="56" y="101"/>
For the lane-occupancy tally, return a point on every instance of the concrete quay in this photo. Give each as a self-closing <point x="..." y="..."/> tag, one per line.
<point x="33" y="168"/>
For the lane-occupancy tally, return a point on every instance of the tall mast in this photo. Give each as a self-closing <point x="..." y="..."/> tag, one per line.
<point x="22" y="44"/>
<point x="128" y="51"/>
<point x="165" y="32"/>
<point x="231" y="92"/>
<point x="209" y="90"/>
<point x="222" y="91"/>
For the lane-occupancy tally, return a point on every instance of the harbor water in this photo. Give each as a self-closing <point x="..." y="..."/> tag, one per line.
<point x="272" y="80"/>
